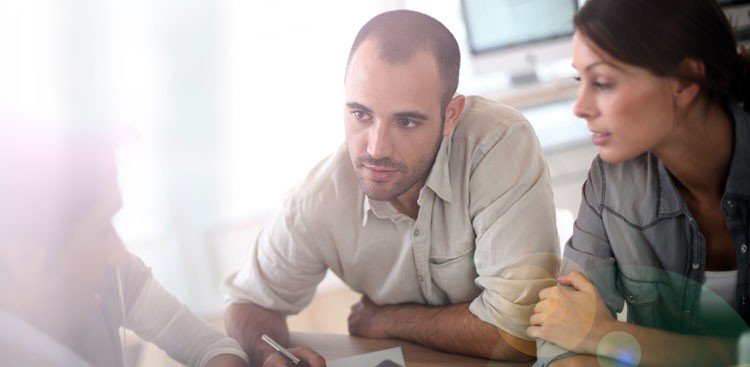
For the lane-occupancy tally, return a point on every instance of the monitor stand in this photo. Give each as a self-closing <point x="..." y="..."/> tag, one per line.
<point x="524" y="78"/>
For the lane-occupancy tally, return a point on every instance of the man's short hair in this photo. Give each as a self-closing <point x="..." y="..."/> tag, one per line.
<point x="403" y="33"/>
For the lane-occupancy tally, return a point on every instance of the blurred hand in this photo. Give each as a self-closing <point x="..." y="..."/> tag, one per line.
<point x="571" y="315"/>
<point x="308" y="355"/>
<point x="226" y="360"/>
<point x="368" y="319"/>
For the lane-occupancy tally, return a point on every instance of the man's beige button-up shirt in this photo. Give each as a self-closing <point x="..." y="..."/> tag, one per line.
<point x="485" y="232"/>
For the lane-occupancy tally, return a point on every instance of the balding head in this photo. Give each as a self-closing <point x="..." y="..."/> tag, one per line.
<point x="401" y="34"/>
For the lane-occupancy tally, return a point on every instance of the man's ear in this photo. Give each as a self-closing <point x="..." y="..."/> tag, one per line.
<point x="453" y="113"/>
<point x="685" y="89"/>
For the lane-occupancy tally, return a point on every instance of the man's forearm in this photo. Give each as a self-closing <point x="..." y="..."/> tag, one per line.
<point x="453" y="329"/>
<point x="246" y="322"/>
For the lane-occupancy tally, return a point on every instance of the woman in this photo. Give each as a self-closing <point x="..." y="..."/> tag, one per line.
<point x="664" y="220"/>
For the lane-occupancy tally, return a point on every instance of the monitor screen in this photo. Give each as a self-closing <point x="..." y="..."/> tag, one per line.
<point x="732" y="2"/>
<point x="498" y="24"/>
<point x="738" y="13"/>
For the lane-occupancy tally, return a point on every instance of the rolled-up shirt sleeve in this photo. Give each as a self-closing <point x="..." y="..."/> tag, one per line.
<point x="588" y="251"/>
<point x="513" y="214"/>
<point x="283" y="268"/>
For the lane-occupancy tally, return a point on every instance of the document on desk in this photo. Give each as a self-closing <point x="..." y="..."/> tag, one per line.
<point x="383" y="358"/>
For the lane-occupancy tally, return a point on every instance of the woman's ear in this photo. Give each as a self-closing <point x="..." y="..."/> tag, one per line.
<point x="453" y="113"/>
<point x="686" y="89"/>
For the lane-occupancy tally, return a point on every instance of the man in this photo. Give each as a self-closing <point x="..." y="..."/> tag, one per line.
<point x="438" y="209"/>
<point x="67" y="283"/>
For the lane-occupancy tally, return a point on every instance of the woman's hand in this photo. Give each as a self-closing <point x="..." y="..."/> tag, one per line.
<point x="571" y="315"/>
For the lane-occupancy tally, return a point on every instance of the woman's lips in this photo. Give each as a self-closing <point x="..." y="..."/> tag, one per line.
<point x="601" y="138"/>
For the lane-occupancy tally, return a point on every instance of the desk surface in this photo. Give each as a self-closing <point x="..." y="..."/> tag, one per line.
<point x="334" y="346"/>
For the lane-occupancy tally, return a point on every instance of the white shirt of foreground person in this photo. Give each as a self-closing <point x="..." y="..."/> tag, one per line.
<point x="156" y="316"/>
<point x="150" y="311"/>
<point x="23" y="345"/>
<point x="485" y="231"/>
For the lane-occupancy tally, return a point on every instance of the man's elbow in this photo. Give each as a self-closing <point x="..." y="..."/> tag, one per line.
<point x="510" y="348"/>
<point x="514" y="350"/>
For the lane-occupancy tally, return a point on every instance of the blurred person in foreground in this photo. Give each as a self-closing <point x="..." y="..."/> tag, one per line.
<point x="67" y="284"/>
<point x="438" y="210"/>
<point x="664" y="224"/>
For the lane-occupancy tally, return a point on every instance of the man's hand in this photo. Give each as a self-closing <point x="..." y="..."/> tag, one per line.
<point x="368" y="319"/>
<point x="571" y="315"/>
<point x="306" y="354"/>
<point x="226" y="360"/>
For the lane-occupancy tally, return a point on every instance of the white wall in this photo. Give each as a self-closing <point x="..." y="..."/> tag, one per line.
<point x="232" y="101"/>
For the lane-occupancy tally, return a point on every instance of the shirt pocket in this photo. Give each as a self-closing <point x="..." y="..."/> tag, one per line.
<point x="455" y="276"/>
<point x="642" y="297"/>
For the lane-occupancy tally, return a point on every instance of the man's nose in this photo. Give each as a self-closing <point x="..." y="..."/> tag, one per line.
<point x="378" y="141"/>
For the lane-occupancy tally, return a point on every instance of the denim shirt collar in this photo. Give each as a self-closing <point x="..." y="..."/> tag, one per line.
<point x="670" y="201"/>
<point x="738" y="182"/>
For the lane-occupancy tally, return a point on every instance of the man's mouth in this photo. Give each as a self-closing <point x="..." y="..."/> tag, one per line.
<point x="376" y="173"/>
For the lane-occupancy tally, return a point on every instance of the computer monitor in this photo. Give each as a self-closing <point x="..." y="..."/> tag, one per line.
<point x="519" y="37"/>
<point x="738" y="12"/>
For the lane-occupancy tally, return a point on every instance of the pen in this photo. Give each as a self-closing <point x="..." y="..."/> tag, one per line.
<point x="289" y="356"/>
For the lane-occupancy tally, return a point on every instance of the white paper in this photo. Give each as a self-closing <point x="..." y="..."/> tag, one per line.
<point x="371" y="359"/>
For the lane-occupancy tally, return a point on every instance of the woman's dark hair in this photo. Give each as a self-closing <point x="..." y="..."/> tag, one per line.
<point x="659" y="35"/>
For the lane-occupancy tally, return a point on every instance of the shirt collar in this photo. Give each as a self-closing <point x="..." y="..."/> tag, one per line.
<point x="670" y="201"/>
<point x="439" y="179"/>
<point x="382" y="210"/>
<point x="738" y="181"/>
<point x="365" y="209"/>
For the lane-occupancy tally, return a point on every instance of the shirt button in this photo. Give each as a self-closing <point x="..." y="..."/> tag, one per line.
<point x="416" y="232"/>
<point x="743" y="248"/>
<point x="421" y="278"/>
<point x="696" y="266"/>
<point x="690" y="219"/>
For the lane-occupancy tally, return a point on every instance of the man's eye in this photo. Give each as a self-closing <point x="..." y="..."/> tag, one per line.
<point x="407" y="123"/>
<point x="359" y="115"/>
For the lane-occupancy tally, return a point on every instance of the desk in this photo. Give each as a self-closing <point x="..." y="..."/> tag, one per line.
<point x="334" y="346"/>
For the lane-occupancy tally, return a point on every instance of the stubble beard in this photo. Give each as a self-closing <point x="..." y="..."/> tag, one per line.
<point x="410" y="176"/>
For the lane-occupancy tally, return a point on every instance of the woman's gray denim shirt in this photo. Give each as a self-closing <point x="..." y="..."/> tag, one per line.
<point x="638" y="243"/>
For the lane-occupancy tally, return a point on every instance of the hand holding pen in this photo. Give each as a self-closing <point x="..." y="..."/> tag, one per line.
<point x="292" y="360"/>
